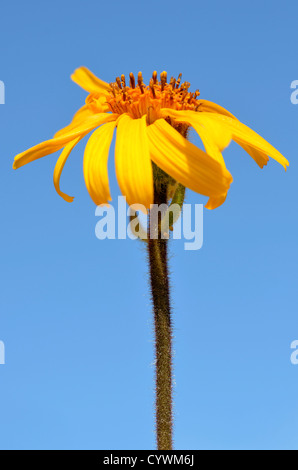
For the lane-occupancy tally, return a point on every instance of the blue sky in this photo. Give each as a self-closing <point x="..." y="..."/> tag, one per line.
<point x="75" y="311"/>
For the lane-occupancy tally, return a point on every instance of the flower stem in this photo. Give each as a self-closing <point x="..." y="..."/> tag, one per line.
<point x="159" y="278"/>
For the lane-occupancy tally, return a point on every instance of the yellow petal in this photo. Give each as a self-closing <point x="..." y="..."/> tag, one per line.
<point x="185" y="162"/>
<point x="89" y="82"/>
<point x="132" y="161"/>
<point x="210" y="107"/>
<point x="213" y="136"/>
<point x="51" y="146"/>
<point x="246" y="136"/>
<point x="260" y="157"/>
<point x="214" y="202"/>
<point x="83" y="113"/>
<point x="96" y="163"/>
<point x="59" y="168"/>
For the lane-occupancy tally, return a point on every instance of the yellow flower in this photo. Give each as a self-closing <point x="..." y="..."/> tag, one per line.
<point x="152" y="123"/>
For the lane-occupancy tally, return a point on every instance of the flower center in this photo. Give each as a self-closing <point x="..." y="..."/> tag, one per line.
<point x="138" y="99"/>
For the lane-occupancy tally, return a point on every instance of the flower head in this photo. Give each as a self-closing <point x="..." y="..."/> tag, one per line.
<point x="152" y="123"/>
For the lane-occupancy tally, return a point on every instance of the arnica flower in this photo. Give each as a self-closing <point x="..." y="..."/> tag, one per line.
<point x="152" y="125"/>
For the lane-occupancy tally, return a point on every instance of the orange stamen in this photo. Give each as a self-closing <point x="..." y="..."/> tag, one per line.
<point x="141" y="100"/>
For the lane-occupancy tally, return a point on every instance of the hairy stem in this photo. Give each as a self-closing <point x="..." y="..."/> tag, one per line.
<point x="159" y="278"/>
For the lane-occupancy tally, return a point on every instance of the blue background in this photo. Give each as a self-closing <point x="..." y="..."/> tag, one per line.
<point x="75" y="311"/>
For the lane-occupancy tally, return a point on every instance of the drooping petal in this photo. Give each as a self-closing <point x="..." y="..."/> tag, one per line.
<point x="96" y="163"/>
<point x="210" y="107"/>
<point x="132" y="161"/>
<point x="260" y="157"/>
<point x="59" y="168"/>
<point x="51" y="146"/>
<point x="214" y="202"/>
<point x="187" y="163"/>
<point x="214" y="138"/>
<point x="89" y="82"/>
<point x="246" y="136"/>
<point x="81" y="115"/>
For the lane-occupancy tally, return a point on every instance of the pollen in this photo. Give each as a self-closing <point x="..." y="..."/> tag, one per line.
<point x="139" y="99"/>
